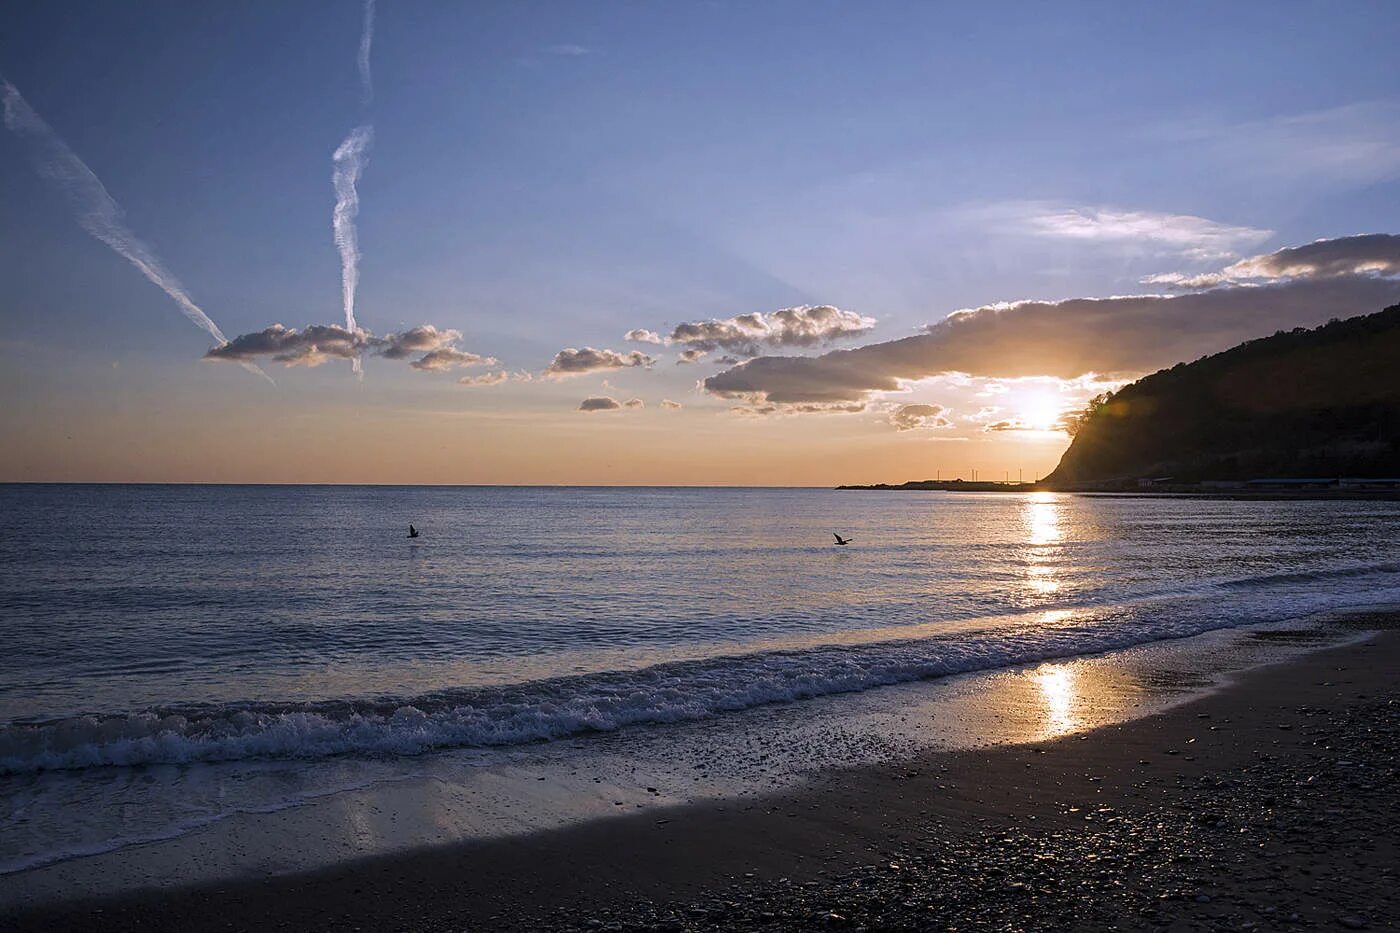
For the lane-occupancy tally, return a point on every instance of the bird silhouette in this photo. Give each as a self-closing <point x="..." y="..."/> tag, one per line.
<point x="412" y="532"/>
<point x="840" y="541"/>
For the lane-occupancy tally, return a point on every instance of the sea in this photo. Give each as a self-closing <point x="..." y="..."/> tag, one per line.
<point x="171" y="655"/>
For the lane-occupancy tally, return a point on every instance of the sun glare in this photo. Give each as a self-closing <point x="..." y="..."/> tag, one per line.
<point x="1040" y="412"/>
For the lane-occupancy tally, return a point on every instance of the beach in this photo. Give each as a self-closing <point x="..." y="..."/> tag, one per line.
<point x="1269" y="802"/>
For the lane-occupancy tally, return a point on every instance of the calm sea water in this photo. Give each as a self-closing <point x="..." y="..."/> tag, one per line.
<point x="194" y="625"/>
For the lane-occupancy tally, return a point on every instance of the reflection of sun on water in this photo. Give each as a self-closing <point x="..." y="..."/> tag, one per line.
<point x="1042" y="519"/>
<point x="1056" y="683"/>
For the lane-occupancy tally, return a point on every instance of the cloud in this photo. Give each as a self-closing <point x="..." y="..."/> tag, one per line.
<point x="670" y="405"/>
<point x="310" y="346"/>
<point x="1377" y="253"/>
<point x="691" y="355"/>
<point x="420" y="339"/>
<point x="642" y="335"/>
<point x="634" y="403"/>
<point x="913" y="417"/>
<point x="600" y="403"/>
<point x="445" y="358"/>
<point x="316" y="343"/>
<point x="1192" y="236"/>
<point x="763" y="409"/>
<point x="747" y="334"/>
<point x="1367" y="254"/>
<point x="495" y="378"/>
<point x="572" y="362"/>
<point x="1121" y="336"/>
<point x="569" y="50"/>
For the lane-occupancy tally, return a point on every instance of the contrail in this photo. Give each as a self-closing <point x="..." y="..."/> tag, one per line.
<point x="96" y="211"/>
<point x="366" y="37"/>
<point x="348" y="164"/>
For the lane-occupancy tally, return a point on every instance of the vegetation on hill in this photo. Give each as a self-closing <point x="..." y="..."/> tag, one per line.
<point x="1302" y="403"/>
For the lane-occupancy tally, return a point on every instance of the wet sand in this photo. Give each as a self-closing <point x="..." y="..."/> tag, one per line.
<point x="1270" y="803"/>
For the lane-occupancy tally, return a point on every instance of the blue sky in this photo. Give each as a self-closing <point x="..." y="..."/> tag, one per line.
<point x="552" y="175"/>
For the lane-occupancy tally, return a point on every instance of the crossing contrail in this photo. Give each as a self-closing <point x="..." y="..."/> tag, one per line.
<point x="95" y="209"/>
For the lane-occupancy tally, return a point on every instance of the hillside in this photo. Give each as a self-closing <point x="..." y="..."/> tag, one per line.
<point x="1302" y="403"/>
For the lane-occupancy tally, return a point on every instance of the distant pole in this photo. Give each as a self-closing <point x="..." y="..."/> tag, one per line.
<point x="1018" y="476"/>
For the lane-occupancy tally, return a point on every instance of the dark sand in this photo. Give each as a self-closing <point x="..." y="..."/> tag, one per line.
<point x="1271" y="804"/>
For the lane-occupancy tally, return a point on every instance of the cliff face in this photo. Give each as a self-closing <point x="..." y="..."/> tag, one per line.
<point x="1302" y="403"/>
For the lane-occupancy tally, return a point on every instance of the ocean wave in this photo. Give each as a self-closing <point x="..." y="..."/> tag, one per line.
<point x="603" y="702"/>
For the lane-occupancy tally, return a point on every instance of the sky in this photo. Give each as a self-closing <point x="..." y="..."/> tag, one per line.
<point x="639" y="243"/>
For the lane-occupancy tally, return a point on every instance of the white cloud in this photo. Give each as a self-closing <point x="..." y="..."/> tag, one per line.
<point x="1191" y="236"/>
<point x="641" y="335"/>
<point x="748" y="334"/>
<point x="494" y="378"/>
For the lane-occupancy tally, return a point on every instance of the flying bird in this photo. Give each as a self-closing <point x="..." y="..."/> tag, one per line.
<point x="840" y="541"/>
<point x="412" y="532"/>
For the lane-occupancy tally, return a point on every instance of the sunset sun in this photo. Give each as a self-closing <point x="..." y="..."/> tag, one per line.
<point x="1040" y="412"/>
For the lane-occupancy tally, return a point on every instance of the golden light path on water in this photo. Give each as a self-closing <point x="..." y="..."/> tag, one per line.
<point x="1041" y="516"/>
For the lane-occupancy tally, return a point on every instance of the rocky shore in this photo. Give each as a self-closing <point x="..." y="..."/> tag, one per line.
<point x="1272" y="803"/>
<point x="1301" y="838"/>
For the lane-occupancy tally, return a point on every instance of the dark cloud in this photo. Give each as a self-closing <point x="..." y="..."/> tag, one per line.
<point x="606" y="403"/>
<point x="1108" y="336"/>
<point x="1374" y="252"/>
<point x="572" y="362"/>
<point x="420" y="339"/>
<point x="1011" y="424"/>
<point x="310" y="346"/>
<point x="1371" y="253"/>
<point x="913" y="417"/>
<point x="445" y="358"/>
<point x="316" y="343"/>
<point x="692" y="355"/>
<point x="748" y="334"/>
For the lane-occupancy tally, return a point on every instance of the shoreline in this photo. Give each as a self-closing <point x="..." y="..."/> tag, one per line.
<point x="1240" y="494"/>
<point x="662" y="862"/>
